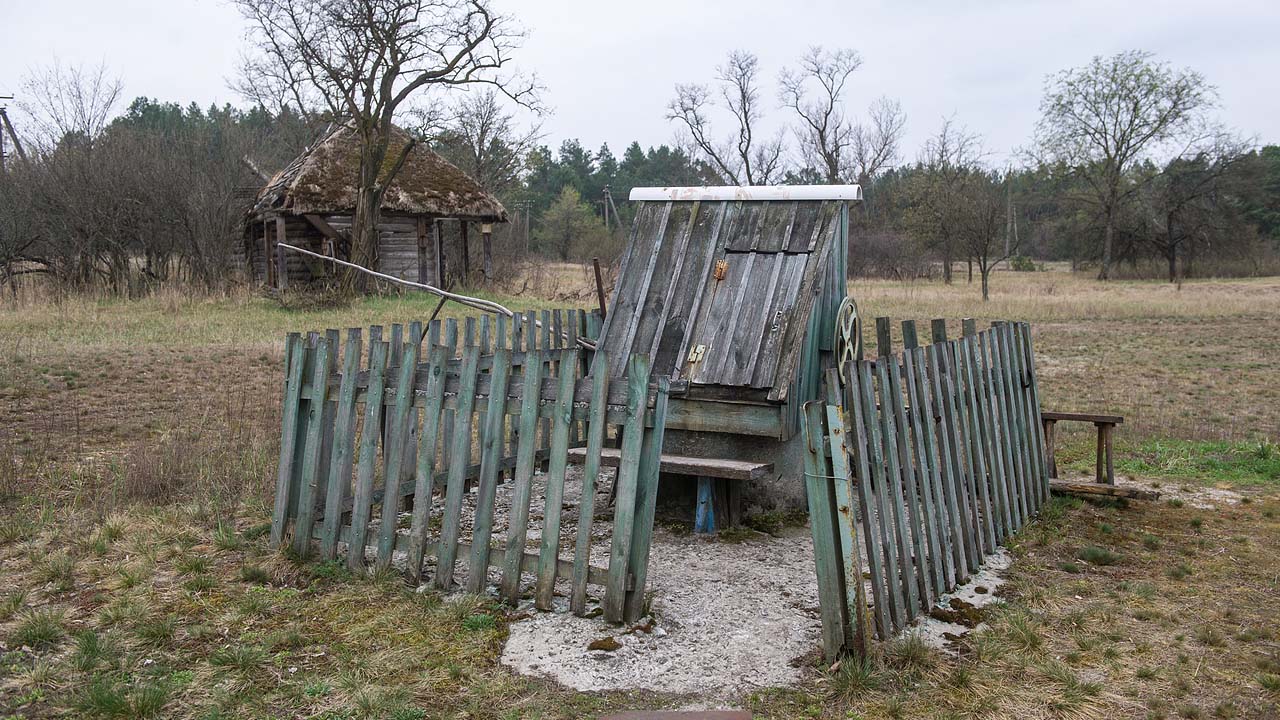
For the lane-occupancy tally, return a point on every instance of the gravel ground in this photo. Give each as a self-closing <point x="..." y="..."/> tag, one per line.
<point x="726" y="618"/>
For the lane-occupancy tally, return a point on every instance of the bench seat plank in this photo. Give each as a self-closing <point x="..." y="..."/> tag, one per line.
<point x="1082" y="417"/>
<point x="686" y="465"/>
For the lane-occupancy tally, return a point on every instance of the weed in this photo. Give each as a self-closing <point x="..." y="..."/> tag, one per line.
<point x="200" y="583"/>
<point x="855" y="677"/>
<point x="193" y="565"/>
<point x="1147" y="672"/>
<point x="255" y="574"/>
<point x="157" y="630"/>
<point x="225" y="538"/>
<point x="1270" y="682"/>
<point x="1181" y="571"/>
<point x="243" y="658"/>
<point x="90" y="649"/>
<point x="1176" y="502"/>
<point x="12" y="603"/>
<point x="58" y="571"/>
<point x="1197" y="524"/>
<point x="1150" y="542"/>
<point x="40" y="629"/>
<point x="1095" y="555"/>
<point x="479" y="621"/>
<point x="910" y="654"/>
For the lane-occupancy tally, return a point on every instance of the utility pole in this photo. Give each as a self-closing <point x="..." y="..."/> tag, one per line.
<point x="606" y="208"/>
<point x="8" y="127"/>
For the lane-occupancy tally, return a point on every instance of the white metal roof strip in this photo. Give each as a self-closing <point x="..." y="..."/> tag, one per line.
<point x="756" y="192"/>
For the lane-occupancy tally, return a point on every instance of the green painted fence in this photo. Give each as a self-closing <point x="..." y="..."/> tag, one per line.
<point x="396" y="454"/>
<point x="920" y="464"/>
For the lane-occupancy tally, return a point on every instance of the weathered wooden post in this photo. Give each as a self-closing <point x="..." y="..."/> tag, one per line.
<point x="486" y="232"/>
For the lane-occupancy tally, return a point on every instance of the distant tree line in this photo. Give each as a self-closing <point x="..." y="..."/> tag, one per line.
<point x="125" y="199"/>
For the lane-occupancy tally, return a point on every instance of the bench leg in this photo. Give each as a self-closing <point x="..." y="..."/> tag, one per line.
<point x="1051" y="456"/>
<point x="1111" y="470"/>
<point x="1099" y="462"/>
<point x="704" y="519"/>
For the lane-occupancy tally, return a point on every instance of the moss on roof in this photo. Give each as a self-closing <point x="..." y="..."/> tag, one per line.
<point x="323" y="179"/>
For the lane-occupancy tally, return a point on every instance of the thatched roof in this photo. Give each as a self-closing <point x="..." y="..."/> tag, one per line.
<point x="322" y="180"/>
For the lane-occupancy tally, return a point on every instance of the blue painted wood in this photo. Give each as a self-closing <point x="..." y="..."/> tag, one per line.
<point x="705" y="516"/>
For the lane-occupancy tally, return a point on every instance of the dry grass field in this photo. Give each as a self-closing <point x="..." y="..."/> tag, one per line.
<point x="138" y="441"/>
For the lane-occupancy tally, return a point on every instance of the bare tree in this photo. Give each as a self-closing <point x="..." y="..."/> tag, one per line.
<point x="1102" y="119"/>
<point x="824" y="133"/>
<point x="980" y="198"/>
<point x="362" y="61"/>
<point x="481" y="137"/>
<point x="841" y="149"/>
<point x="1191" y="198"/>
<point x="742" y="159"/>
<point x="936" y="189"/>
<point x="876" y="143"/>
<point x="69" y="101"/>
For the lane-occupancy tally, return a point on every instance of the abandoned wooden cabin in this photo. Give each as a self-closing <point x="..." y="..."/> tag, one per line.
<point x="735" y="290"/>
<point x="429" y="207"/>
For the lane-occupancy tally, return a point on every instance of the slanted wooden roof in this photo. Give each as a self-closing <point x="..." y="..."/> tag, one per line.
<point x="750" y="322"/>
<point x="322" y="181"/>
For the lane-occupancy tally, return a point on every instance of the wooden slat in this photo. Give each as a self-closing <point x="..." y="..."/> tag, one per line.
<point x="889" y="536"/>
<point x="343" y="460"/>
<point x="311" y="452"/>
<point x="909" y="479"/>
<point x="870" y="466"/>
<point x="831" y="596"/>
<point x="625" y="492"/>
<point x="1037" y="416"/>
<point x="646" y="505"/>
<point x="846" y="516"/>
<point x="490" y="454"/>
<point x="518" y="522"/>
<point x="459" y="458"/>
<point x="928" y="505"/>
<point x="425" y="473"/>
<point x="394" y="453"/>
<point x="894" y="481"/>
<point x="369" y="436"/>
<point x="685" y="465"/>
<point x="596" y="427"/>
<point x="1082" y="417"/>
<point x="295" y="349"/>
<point x="549" y="549"/>
<point x="933" y="397"/>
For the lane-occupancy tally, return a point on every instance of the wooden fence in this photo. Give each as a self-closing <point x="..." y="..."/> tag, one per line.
<point x="395" y="450"/>
<point x="919" y="464"/>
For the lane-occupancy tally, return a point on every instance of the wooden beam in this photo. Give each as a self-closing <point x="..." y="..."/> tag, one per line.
<point x="466" y="254"/>
<point x="684" y="465"/>
<point x="424" y="265"/>
<point x="282" y="271"/>
<point x="1064" y="487"/>
<point x="1082" y="417"/>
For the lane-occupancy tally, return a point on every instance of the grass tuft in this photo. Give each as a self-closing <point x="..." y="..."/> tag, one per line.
<point x="40" y="629"/>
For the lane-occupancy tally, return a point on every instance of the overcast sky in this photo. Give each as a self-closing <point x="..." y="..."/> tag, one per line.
<point x="610" y="67"/>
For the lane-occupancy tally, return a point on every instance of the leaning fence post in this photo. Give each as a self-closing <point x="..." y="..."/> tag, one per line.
<point x="295" y="350"/>
<point x="826" y="551"/>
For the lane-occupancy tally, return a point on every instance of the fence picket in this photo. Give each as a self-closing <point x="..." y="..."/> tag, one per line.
<point x="596" y="427"/>
<point x="369" y="435"/>
<point x="312" y="449"/>
<point x="458" y="460"/>
<point x="397" y="436"/>
<point x="559" y="444"/>
<point x="625" y="494"/>
<point x="424" y="486"/>
<point x="525" y="434"/>
<point x="344" y="447"/>
<point x="894" y="482"/>
<point x="490" y="455"/>
<point x="295" y="349"/>
<point x="646" y="505"/>
<point x="870" y="487"/>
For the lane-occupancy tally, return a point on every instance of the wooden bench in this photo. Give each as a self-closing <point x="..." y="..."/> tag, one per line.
<point x="719" y="482"/>
<point x="1105" y="471"/>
